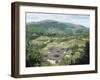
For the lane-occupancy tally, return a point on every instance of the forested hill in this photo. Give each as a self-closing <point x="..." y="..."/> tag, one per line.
<point x="55" y="27"/>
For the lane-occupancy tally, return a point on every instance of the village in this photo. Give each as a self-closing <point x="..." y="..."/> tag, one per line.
<point x="56" y="54"/>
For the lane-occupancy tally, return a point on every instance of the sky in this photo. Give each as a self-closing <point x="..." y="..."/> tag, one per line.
<point x="70" y="18"/>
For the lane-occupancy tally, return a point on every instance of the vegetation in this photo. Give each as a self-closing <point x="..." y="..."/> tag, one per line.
<point x="43" y="35"/>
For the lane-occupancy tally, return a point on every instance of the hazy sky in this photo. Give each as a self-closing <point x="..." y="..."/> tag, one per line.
<point x="72" y="18"/>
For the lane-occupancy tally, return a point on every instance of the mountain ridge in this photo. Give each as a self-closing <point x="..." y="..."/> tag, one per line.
<point x="53" y="26"/>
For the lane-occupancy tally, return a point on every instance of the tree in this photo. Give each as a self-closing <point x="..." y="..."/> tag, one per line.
<point x="85" y="57"/>
<point x="33" y="56"/>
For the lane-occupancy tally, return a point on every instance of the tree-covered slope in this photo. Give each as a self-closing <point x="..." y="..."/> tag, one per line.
<point x="55" y="27"/>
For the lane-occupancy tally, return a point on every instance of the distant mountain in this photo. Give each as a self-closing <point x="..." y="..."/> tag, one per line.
<point x="52" y="26"/>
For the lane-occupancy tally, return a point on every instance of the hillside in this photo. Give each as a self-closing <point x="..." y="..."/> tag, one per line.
<point x="55" y="43"/>
<point x="55" y="27"/>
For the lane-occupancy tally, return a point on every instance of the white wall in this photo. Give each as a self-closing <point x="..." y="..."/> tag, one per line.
<point x="5" y="40"/>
